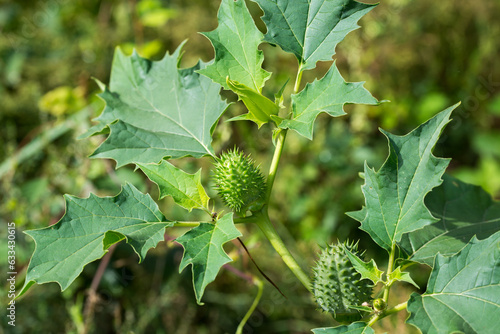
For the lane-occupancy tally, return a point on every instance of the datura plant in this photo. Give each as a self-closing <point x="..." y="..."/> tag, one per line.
<point x="156" y="112"/>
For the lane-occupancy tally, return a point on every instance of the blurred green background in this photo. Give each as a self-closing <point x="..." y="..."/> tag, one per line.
<point x="422" y="55"/>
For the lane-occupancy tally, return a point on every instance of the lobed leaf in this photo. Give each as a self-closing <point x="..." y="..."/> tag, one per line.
<point x="260" y="108"/>
<point x="236" y="41"/>
<point x="310" y="29"/>
<point x="186" y="189"/>
<point x="203" y="250"/>
<point x="88" y="228"/>
<point x="394" y="196"/>
<point x="463" y="291"/>
<point x="155" y="110"/>
<point x="368" y="270"/>
<point x="463" y="211"/>
<point x="329" y="94"/>
<point x="354" y="328"/>
<point x="398" y="275"/>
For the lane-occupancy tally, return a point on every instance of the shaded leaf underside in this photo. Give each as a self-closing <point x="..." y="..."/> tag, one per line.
<point x="463" y="211"/>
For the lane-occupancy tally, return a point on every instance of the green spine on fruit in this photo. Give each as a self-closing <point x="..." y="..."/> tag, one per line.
<point x="239" y="182"/>
<point x="337" y="286"/>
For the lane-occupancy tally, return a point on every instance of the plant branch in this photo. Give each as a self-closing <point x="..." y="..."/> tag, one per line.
<point x="280" y="142"/>
<point x="298" y="79"/>
<point x="93" y="298"/>
<point x="252" y="308"/>
<point x="270" y="232"/>
<point x="263" y="217"/>
<point x="390" y="268"/>
<point x="243" y="220"/>
<point x="395" y="309"/>
<point x="383" y="314"/>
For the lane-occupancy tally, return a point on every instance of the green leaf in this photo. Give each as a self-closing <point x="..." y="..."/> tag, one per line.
<point x="186" y="189"/>
<point x="463" y="211"/>
<point x="394" y="196"/>
<point x="354" y="328"/>
<point x="260" y="108"/>
<point x="155" y="110"/>
<point x="236" y="42"/>
<point x="310" y="29"/>
<point x="203" y="250"/>
<point x="463" y="291"/>
<point x="398" y="275"/>
<point x="329" y="94"/>
<point x="368" y="270"/>
<point x="86" y="231"/>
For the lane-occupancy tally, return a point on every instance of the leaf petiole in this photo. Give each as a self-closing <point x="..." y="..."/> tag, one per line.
<point x="390" y="268"/>
<point x="280" y="142"/>
<point x="242" y="220"/>
<point x="298" y="79"/>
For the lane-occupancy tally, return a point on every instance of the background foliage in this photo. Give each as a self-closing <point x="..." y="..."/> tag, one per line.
<point x="423" y="56"/>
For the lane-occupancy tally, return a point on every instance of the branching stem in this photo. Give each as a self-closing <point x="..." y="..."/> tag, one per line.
<point x="395" y="309"/>
<point x="243" y="220"/>
<point x="270" y="232"/>
<point x="263" y="217"/>
<point x="280" y="142"/>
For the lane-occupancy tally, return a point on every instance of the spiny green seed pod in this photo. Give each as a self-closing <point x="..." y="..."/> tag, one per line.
<point x="239" y="182"/>
<point x="337" y="286"/>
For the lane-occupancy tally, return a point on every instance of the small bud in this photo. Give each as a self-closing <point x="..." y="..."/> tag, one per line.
<point x="379" y="304"/>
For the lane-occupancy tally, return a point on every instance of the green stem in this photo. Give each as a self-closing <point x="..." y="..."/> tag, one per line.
<point x="298" y="79"/>
<point x="395" y="309"/>
<point x="263" y="217"/>
<point x="243" y="220"/>
<point x="390" y="268"/>
<point x="270" y="232"/>
<point x="187" y="224"/>
<point x="252" y="308"/>
<point x="280" y="143"/>
<point x="373" y="320"/>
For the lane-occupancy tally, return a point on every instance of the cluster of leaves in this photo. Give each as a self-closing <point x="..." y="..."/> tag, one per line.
<point x="156" y="112"/>
<point x="180" y="108"/>
<point x="441" y="231"/>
